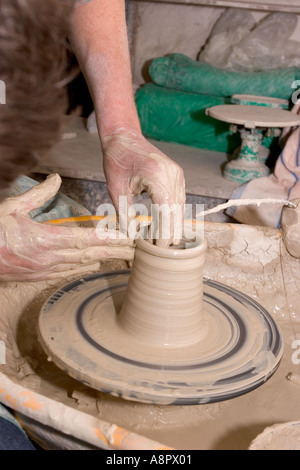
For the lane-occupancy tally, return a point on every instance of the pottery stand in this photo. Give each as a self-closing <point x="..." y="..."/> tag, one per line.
<point x="269" y="102"/>
<point x="248" y="165"/>
<point x="253" y="122"/>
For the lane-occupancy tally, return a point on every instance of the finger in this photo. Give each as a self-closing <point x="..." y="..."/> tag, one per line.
<point x="122" y="203"/>
<point x="74" y="270"/>
<point x="168" y="220"/>
<point x="40" y="194"/>
<point x="92" y="254"/>
<point x="54" y="237"/>
<point x="33" y="198"/>
<point x="48" y="272"/>
<point x="113" y="238"/>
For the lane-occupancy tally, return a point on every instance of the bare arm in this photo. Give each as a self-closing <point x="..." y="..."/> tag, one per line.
<point x="131" y="164"/>
<point x="101" y="46"/>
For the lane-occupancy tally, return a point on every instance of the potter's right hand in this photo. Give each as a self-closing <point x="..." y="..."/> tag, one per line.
<point x="133" y="165"/>
<point x="31" y="251"/>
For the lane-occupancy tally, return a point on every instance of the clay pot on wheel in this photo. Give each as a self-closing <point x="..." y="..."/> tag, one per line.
<point x="163" y="302"/>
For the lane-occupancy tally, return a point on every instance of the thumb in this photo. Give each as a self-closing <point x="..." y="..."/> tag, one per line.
<point x="122" y="204"/>
<point x="34" y="198"/>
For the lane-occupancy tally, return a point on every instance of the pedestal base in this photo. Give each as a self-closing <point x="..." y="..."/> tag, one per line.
<point x="242" y="171"/>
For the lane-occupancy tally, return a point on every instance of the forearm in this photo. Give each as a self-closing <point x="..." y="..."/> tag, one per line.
<point x="100" y="43"/>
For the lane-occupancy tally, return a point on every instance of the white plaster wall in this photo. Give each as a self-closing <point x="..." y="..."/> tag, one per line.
<point x="166" y="28"/>
<point x="163" y="28"/>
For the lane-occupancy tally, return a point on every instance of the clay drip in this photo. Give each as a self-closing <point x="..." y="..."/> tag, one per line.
<point x="163" y="305"/>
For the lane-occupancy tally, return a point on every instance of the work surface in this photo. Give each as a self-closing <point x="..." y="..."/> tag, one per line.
<point x="81" y="157"/>
<point x="251" y="259"/>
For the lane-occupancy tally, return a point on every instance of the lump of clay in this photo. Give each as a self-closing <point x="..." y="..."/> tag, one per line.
<point x="290" y="226"/>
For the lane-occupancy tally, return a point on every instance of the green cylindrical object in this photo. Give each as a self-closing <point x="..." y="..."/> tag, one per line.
<point x="179" y="72"/>
<point x="179" y="117"/>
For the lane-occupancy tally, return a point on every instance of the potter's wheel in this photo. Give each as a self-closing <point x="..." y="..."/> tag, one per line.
<point x="79" y="330"/>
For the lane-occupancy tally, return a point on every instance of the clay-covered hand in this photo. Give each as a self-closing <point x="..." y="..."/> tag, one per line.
<point x="32" y="251"/>
<point x="133" y="165"/>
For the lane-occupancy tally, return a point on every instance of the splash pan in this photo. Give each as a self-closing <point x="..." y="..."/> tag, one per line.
<point x="79" y="330"/>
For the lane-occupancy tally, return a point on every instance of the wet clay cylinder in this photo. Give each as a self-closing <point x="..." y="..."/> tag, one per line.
<point x="163" y="304"/>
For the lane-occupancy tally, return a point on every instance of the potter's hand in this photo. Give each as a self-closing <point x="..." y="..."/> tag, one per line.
<point x="34" y="251"/>
<point x="132" y="165"/>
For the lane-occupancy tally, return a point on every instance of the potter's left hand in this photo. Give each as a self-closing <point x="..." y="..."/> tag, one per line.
<point x="133" y="165"/>
<point x="32" y="251"/>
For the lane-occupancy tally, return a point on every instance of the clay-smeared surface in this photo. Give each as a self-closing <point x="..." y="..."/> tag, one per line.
<point x="79" y="330"/>
<point x="284" y="436"/>
<point x="252" y="259"/>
